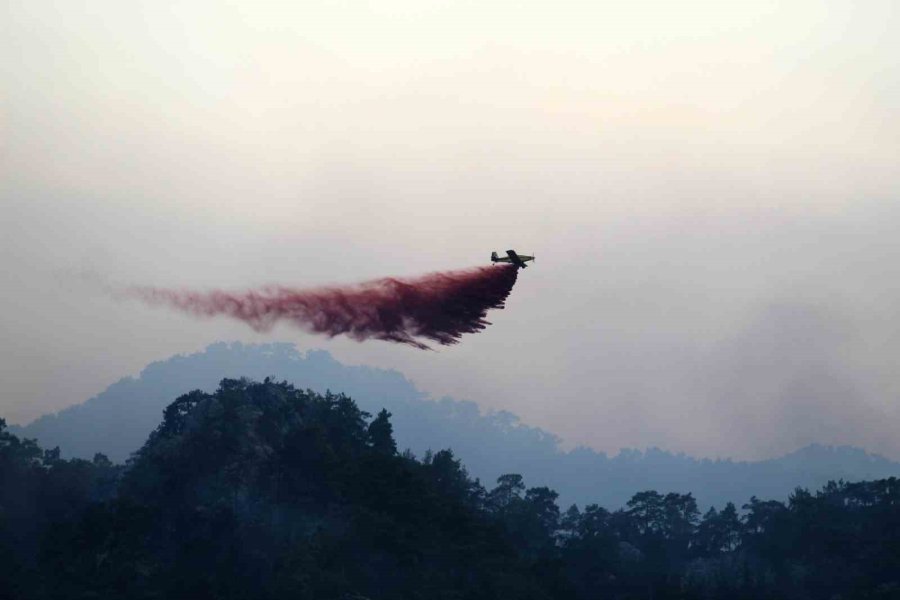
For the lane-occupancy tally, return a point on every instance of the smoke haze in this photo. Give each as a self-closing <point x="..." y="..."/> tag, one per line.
<point x="712" y="187"/>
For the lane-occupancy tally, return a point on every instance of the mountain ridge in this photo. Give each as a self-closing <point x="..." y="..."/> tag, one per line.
<point x="118" y="420"/>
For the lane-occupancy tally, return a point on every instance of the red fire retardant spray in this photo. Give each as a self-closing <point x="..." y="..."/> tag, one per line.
<point x="439" y="307"/>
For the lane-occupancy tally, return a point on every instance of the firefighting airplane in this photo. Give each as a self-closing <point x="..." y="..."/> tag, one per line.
<point x="511" y="257"/>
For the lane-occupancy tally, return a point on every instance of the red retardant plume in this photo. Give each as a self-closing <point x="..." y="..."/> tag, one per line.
<point x="440" y="307"/>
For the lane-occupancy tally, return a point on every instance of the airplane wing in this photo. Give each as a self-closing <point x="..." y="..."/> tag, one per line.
<point x="514" y="259"/>
<point x="511" y="257"/>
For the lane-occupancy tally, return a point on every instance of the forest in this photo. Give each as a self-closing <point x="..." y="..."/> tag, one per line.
<point x="264" y="490"/>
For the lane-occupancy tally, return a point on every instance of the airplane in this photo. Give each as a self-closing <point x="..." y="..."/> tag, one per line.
<point x="511" y="257"/>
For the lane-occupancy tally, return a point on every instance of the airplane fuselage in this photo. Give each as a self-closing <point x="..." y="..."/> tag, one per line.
<point x="511" y="257"/>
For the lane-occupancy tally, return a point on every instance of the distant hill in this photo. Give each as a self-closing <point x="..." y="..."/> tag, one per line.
<point x="118" y="421"/>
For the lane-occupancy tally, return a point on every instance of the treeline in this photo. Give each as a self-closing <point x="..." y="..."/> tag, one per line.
<point x="261" y="490"/>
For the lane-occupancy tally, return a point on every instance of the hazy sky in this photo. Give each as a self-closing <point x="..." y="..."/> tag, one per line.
<point x="712" y="190"/>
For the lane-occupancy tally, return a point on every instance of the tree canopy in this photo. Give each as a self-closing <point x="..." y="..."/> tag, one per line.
<point x="263" y="490"/>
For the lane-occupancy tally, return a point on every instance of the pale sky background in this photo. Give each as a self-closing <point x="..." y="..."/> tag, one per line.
<point x="712" y="190"/>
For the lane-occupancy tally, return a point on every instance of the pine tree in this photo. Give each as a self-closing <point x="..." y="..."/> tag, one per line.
<point x="381" y="434"/>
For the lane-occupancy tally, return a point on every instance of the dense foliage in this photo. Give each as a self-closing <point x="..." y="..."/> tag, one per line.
<point x="261" y="490"/>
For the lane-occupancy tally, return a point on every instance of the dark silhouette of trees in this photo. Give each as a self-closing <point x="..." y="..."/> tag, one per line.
<point x="719" y="531"/>
<point x="509" y="491"/>
<point x="261" y="490"/>
<point x="381" y="433"/>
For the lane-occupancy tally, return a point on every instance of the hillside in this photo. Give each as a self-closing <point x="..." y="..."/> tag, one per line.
<point x="261" y="490"/>
<point x="118" y="420"/>
<point x="256" y="491"/>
